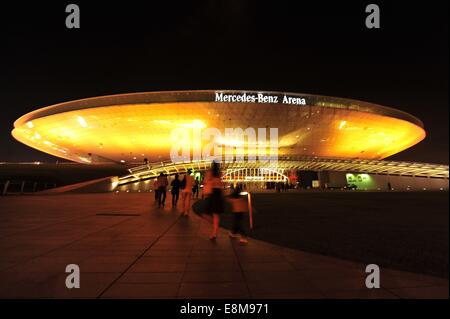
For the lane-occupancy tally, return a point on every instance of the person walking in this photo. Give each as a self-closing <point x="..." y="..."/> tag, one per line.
<point x="186" y="192"/>
<point x="213" y="190"/>
<point x="155" y="189"/>
<point x="175" y="191"/>
<point x="195" y="188"/>
<point x="162" y="189"/>
<point x="239" y="207"/>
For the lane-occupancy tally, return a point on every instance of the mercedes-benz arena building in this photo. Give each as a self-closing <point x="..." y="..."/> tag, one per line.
<point x="344" y="140"/>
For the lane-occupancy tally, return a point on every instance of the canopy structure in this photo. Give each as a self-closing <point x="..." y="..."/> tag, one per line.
<point x="276" y="171"/>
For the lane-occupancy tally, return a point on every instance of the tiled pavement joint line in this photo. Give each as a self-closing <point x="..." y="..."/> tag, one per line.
<point x="47" y="225"/>
<point x="138" y="257"/>
<point x="242" y="270"/>
<point x="50" y="224"/>
<point x="68" y="244"/>
<point x="236" y="255"/>
<point x="190" y="252"/>
<point x="303" y="276"/>
<point x="392" y="292"/>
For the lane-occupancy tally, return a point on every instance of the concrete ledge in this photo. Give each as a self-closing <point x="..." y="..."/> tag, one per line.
<point x="101" y="185"/>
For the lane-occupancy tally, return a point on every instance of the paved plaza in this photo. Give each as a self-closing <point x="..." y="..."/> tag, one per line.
<point x="127" y="248"/>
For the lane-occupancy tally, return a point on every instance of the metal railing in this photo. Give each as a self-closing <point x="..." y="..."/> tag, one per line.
<point x="20" y="187"/>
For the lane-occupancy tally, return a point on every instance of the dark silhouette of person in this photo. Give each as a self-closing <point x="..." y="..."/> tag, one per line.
<point x="186" y="186"/>
<point x="239" y="207"/>
<point x="155" y="189"/>
<point x="195" y="188"/>
<point x="162" y="189"/>
<point x="175" y="191"/>
<point x="213" y="190"/>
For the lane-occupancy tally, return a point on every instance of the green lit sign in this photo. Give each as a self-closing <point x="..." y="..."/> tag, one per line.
<point x="362" y="181"/>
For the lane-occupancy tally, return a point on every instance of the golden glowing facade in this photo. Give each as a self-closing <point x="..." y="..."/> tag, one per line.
<point x="132" y="127"/>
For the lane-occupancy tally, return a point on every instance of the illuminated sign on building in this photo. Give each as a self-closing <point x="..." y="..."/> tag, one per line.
<point x="361" y="181"/>
<point x="259" y="98"/>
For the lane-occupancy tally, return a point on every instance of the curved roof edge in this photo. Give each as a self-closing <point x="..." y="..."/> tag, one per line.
<point x="208" y="96"/>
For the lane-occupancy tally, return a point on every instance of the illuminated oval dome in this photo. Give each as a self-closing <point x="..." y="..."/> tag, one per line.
<point x="133" y="127"/>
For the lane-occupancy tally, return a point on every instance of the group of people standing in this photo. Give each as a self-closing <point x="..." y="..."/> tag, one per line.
<point x="188" y="187"/>
<point x="213" y="193"/>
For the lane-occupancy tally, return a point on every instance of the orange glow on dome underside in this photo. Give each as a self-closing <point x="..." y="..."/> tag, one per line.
<point x="136" y="131"/>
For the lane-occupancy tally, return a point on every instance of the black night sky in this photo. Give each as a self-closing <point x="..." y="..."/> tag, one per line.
<point x="320" y="48"/>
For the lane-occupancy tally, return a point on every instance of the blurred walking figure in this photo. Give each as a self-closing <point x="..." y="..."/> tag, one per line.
<point x="155" y="189"/>
<point x="239" y="207"/>
<point x="213" y="190"/>
<point x="162" y="189"/>
<point x="175" y="191"/>
<point x="186" y="192"/>
<point x="195" y="188"/>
